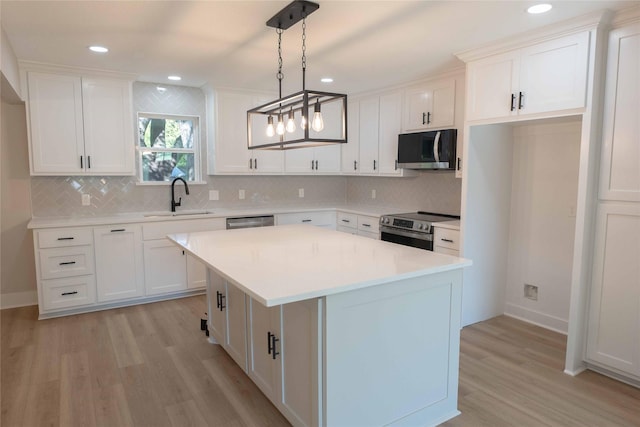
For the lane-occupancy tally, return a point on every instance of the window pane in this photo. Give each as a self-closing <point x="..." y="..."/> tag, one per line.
<point x="161" y="166"/>
<point x="166" y="132"/>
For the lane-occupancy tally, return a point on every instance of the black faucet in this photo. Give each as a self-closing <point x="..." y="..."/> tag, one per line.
<point x="173" y="198"/>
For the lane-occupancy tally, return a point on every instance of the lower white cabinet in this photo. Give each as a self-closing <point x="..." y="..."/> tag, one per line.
<point x="68" y="292"/>
<point x="119" y="266"/>
<point x="362" y="225"/>
<point x="227" y="318"/>
<point x="284" y="350"/>
<point x="613" y="338"/>
<point x="196" y="273"/>
<point x="446" y="241"/>
<point x="325" y="219"/>
<point x="164" y="267"/>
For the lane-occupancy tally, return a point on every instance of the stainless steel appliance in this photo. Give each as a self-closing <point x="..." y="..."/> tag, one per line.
<point x="411" y="229"/>
<point x="428" y="150"/>
<point x="250" y="221"/>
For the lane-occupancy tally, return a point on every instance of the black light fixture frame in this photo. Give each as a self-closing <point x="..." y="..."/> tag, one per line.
<point x="299" y="101"/>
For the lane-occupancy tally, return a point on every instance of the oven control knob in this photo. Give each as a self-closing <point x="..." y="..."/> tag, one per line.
<point x="419" y="226"/>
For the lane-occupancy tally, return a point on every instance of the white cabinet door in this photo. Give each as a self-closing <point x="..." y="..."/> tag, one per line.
<point x="216" y="288"/>
<point x="620" y="166"/>
<point x="327" y="159"/>
<point x="108" y="127"/>
<point x="263" y="363"/>
<point x="301" y="351"/>
<point x="164" y="267"/>
<point x="553" y="75"/>
<point x="430" y="106"/>
<point x="299" y="161"/>
<point x="351" y="150"/>
<point x="235" y="342"/>
<point x="55" y="122"/>
<point x="390" y="125"/>
<point x="231" y="152"/>
<point x="267" y="161"/>
<point x="368" y="130"/>
<point x="119" y="266"/>
<point x="491" y="86"/>
<point x="196" y="273"/>
<point x="614" y="319"/>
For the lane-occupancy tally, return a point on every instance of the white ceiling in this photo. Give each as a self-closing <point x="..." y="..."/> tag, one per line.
<point x="363" y="45"/>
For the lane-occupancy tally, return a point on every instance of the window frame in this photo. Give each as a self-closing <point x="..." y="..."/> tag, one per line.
<point x="196" y="148"/>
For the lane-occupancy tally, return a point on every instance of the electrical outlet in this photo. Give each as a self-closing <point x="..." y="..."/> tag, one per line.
<point x="241" y="194"/>
<point x="300" y="192"/>
<point x="214" y="195"/>
<point x="86" y="200"/>
<point x="531" y="292"/>
<point x="373" y="194"/>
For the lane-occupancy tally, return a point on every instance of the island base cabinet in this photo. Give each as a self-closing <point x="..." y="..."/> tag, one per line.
<point x="396" y="344"/>
<point x="284" y="355"/>
<point x="227" y="317"/>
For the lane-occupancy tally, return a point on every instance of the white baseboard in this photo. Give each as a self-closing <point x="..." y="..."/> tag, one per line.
<point x="537" y="318"/>
<point x="18" y="299"/>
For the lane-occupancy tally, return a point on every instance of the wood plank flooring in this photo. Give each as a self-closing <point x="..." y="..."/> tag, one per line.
<point x="150" y="365"/>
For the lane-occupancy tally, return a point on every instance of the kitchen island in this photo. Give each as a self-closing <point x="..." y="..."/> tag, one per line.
<point x="336" y="329"/>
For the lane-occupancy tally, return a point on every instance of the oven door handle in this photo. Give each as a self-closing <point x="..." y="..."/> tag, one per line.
<point x="421" y="236"/>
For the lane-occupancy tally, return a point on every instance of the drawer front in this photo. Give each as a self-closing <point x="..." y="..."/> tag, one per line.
<point x="349" y="230"/>
<point x="446" y="238"/>
<point x="347" y="220"/>
<point x="369" y="234"/>
<point x="159" y="230"/>
<point x="369" y="223"/>
<point x="62" y="237"/>
<point x="327" y="218"/>
<point x="68" y="292"/>
<point x="66" y="262"/>
<point x="441" y="250"/>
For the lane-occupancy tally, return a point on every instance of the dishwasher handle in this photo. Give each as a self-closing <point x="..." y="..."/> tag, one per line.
<point x="250" y="222"/>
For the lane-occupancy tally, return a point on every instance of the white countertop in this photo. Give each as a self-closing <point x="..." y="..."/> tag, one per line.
<point x="127" y="218"/>
<point x="279" y="265"/>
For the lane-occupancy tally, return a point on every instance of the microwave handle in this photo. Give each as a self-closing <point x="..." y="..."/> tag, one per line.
<point x="436" y="147"/>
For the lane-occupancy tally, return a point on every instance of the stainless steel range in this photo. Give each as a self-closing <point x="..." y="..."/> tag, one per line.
<point x="411" y="229"/>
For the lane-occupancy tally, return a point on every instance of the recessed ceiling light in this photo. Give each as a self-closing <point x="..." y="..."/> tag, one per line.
<point x="326" y="80"/>
<point x="161" y="89"/>
<point x="539" y="8"/>
<point x="98" y="49"/>
<point x="175" y="78"/>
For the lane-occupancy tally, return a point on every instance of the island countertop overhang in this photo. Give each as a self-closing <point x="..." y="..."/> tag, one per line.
<point x="284" y="264"/>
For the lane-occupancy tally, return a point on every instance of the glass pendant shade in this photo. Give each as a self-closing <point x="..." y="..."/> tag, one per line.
<point x="303" y="122"/>
<point x="317" y="124"/>
<point x="291" y="123"/>
<point x="280" y="125"/>
<point x="270" y="129"/>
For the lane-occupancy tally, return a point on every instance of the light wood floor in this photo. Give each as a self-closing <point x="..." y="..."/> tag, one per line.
<point x="150" y="365"/>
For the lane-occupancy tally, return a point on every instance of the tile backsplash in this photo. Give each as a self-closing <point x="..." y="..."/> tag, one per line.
<point x="61" y="196"/>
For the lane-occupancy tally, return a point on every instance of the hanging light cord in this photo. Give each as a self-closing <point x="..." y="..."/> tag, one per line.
<point x="304" y="50"/>
<point x="280" y="76"/>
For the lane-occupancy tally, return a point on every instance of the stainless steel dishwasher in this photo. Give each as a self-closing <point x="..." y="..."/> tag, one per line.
<point x="250" y="221"/>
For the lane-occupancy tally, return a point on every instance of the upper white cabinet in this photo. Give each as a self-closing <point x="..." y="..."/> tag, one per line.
<point x="374" y="125"/>
<point x="620" y="165"/>
<point x="430" y="106"/>
<point x="541" y="78"/>
<point x="231" y="155"/>
<point x="313" y="160"/>
<point x="80" y="125"/>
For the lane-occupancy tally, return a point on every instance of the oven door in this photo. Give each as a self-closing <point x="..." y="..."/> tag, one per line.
<point x="407" y="238"/>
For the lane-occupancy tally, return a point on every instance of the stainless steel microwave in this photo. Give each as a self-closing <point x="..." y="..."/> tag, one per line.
<point x="428" y="150"/>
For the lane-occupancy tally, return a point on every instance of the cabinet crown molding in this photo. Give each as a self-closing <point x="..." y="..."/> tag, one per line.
<point x="626" y="16"/>
<point x="586" y="22"/>
<point x="76" y="71"/>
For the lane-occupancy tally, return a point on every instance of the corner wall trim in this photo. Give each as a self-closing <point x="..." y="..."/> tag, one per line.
<point x="18" y="299"/>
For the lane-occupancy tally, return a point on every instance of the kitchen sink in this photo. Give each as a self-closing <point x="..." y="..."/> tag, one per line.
<point x="185" y="213"/>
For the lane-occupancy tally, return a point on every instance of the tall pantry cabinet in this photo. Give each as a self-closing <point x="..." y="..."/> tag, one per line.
<point x="613" y="330"/>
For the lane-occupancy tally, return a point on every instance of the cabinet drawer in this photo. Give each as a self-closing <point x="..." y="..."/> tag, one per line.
<point x="447" y="238"/>
<point x="441" y="250"/>
<point x="369" y="223"/>
<point x="347" y="220"/>
<point x="68" y="292"/>
<point x="66" y="262"/>
<point x="62" y="237"/>
<point x="324" y="218"/>
<point x="159" y="230"/>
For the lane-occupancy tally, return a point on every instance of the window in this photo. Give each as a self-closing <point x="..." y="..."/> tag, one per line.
<point x="168" y="147"/>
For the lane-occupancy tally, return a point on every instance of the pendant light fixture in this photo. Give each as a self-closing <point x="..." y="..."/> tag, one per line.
<point x="328" y="123"/>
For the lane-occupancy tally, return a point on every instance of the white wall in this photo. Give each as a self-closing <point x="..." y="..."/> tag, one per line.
<point x="486" y="204"/>
<point x="9" y="63"/>
<point x="542" y="227"/>
<point x="18" y="265"/>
